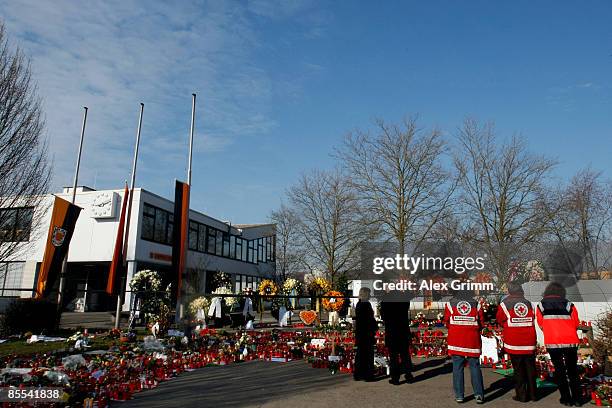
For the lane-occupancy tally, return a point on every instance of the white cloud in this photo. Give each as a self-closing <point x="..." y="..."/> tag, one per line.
<point x="112" y="55"/>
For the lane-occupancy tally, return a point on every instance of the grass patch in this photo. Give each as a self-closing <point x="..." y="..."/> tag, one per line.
<point x="21" y="348"/>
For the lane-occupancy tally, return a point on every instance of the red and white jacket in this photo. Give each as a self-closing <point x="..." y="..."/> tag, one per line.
<point x="517" y="317"/>
<point x="558" y="319"/>
<point x="464" y="318"/>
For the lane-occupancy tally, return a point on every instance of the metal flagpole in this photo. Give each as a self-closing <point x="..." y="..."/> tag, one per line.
<point x="191" y="131"/>
<point x="129" y="216"/>
<point x="74" y="187"/>
<point x="179" y="302"/>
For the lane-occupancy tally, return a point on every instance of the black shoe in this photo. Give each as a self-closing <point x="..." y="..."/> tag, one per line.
<point x="577" y="403"/>
<point x="517" y="399"/>
<point x="409" y="378"/>
<point x="394" y="381"/>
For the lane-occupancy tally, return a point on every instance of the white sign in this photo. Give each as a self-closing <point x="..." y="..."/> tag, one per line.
<point x="489" y="349"/>
<point x="319" y="343"/>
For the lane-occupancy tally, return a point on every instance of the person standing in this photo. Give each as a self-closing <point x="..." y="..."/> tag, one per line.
<point x="558" y="319"/>
<point x="397" y="338"/>
<point x="516" y="315"/>
<point x="365" y="334"/>
<point x="464" y="318"/>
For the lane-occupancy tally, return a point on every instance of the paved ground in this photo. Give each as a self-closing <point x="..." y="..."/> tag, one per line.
<point x="296" y="384"/>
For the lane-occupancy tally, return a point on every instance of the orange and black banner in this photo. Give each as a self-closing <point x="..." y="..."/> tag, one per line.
<point x="116" y="268"/>
<point x="181" y="226"/>
<point x="63" y="220"/>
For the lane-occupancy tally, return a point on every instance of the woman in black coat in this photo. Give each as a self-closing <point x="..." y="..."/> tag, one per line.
<point x="365" y="337"/>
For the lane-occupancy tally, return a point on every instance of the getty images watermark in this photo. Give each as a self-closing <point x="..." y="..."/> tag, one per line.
<point x="437" y="270"/>
<point x="435" y="273"/>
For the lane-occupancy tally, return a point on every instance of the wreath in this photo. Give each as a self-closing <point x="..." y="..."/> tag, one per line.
<point x="146" y="280"/>
<point x="267" y="288"/>
<point x="335" y="302"/>
<point x="319" y="285"/>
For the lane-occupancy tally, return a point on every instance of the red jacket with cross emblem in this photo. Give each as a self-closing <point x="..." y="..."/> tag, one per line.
<point x="517" y="317"/>
<point x="464" y="318"/>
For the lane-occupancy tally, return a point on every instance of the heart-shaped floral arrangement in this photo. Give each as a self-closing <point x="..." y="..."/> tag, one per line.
<point x="308" y="316"/>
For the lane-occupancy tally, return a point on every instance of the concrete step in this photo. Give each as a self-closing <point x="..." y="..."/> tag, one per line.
<point x="90" y="320"/>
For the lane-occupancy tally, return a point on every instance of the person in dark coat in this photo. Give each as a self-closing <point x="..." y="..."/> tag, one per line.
<point x="397" y="338"/>
<point x="365" y="337"/>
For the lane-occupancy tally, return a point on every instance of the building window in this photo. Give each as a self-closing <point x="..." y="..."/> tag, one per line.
<point x="157" y="225"/>
<point x="269" y="249"/>
<point x="212" y="237"/>
<point x="237" y="284"/>
<point x="10" y="278"/>
<point x="226" y="245"/>
<point x="16" y="224"/>
<point x="193" y="235"/>
<point x="252" y="255"/>
<point x="260" y="250"/>
<point x="148" y="222"/>
<point x="161" y="223"/>
<point x="219" y="243"/>
<point x="232" y="247"/>
<point x="201" y="238"/>
<point x="245" y="249"/>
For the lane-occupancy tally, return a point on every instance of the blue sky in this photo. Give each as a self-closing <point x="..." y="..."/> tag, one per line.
<point x="279" y="83"/>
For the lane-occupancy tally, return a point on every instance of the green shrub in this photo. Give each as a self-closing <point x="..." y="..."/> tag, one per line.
<point x="34" y="315"/>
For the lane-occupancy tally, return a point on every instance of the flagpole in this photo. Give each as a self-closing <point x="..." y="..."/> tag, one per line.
<point x="179" y="304"/>
<point x="74" y="187"/>
<point x="191" y="131"/>
<point x="129" y="216"/>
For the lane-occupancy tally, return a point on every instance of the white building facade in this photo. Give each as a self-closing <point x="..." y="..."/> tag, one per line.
<point x="245" y="252"/>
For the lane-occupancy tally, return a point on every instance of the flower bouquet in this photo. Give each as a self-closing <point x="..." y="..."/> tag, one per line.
<point x="292" y="287"/>
<point x="199" y="306"/>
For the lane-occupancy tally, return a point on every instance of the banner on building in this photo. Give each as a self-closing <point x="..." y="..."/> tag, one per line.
<point x="181" y="226"/>
<point x="117" y="265"/>
<point x="63" y="220"/>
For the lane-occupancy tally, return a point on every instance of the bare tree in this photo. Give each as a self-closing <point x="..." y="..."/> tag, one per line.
<point x="399" y="178"/>
<point x="501" y="191"/>
<point x="581" y="215"/>
<point x="289" y="256"/>
<point x="23" y="164"/>
<point x="331" y="224"/>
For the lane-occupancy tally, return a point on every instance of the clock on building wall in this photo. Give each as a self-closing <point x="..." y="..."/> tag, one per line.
<point x="103" y="205"/>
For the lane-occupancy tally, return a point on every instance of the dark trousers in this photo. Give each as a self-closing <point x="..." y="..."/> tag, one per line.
<point x="364" y="360"/>
<point x="565" y="361"/>
<point x="399" y="360"/>
<point x="524" y="376"/>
